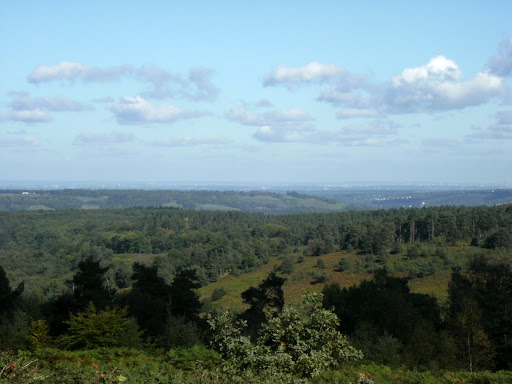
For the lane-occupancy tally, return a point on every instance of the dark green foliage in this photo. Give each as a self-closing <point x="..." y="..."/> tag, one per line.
<point x="287" y="266"/>
<point x="480" y="298"/>
<point x="321" y="277"/>
<point x="15" y="331"/>
<point x="266" y="301"/>
<point x="414" y="251"/>
<point x="396" y="248"/>
<point x="388" y="308"/>
<point x="8" y="297"/>
<point x="344" y="265"/>
<point x="109" y="328"/>
<point x="90" y="284"/>
<point x="184" y="300"/>
<point x="219" y="293"/>
<point x="132" y="242"/>
<point x="190" y="359"/>
<point x="149" y="301"/>
<point x="180" y="332"/>
<point x="502" y="238"/>
<point x="320" y="263"/>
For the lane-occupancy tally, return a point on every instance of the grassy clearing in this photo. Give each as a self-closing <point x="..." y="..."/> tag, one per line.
<point x="303" y="279"/>
<point x="436" y="285"/>
<point x="216" y="207"/>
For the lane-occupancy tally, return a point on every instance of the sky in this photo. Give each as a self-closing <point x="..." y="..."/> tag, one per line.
<point x="256" y="92"/>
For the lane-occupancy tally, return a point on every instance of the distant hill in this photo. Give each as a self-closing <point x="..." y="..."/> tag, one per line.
<point x="250" y="201"/>
<point x="385" y="199"/>
<point x="264" y="202"/>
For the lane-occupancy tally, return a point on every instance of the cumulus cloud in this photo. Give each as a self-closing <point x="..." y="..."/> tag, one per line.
<point x="309" y="73"/>
<point x="501" y="64"/>
<point x="500" y="130"/>
<point x="438" y="86"/>
<point x="137" y="110"/>
<point x="96" y="140"/>
<point x="275" y="117"/>
<point x="186" y="141"/>
<point x="68" y="70"/>
<point x="24" y="102"/>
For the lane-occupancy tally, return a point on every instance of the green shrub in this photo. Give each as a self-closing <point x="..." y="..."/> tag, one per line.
<point x="293" y="343"/>
<point x="109" y="328"/>
<point x="190" y="359"/>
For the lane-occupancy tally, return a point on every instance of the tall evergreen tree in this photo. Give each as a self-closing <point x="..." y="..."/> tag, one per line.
<point x="267" y="300"/>
<point x="7" y="295"/>
<point x="149" y="300"/>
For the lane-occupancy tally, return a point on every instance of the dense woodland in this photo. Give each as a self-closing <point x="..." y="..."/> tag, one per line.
<point x="127" y="280"/>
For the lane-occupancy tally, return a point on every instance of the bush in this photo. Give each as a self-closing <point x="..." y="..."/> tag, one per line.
<point x="190" y="359"/>
<point x="219" y="293"/>
<point x="108" y="328"/>
<point x="295" y="342"/>
<point x="344" y="265"/>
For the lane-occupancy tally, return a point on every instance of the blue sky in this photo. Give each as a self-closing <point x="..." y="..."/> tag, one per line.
<point x="268" y="91"/>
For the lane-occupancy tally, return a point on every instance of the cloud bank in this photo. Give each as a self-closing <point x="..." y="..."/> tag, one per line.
<point x="197" y="85"/>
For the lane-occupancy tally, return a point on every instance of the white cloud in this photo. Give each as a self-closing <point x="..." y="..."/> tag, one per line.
<point x="26" y="141"/>
<point x="312" y="72"/>
<point x="32" y="116"/>
<point x="28" y="109"/>
<point x="281" y="134"/>
<point x="437" y="86"/>
<point x="371" y="134"/>
<point x="24" y="102"/>
<point x="271" y="118"/>
<point x="197" y="85"/>
<point x="98" y="140"/>
<point x="68" y="70"/>
<point x="136" y="110"/>
<point x="501" y="64"/>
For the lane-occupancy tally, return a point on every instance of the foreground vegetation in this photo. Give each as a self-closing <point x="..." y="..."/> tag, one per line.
<point x="194" y="365"/>
<point x="141" y="295"/>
